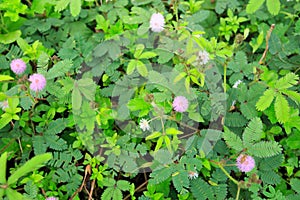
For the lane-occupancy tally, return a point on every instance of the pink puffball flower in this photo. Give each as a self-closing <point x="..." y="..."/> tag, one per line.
<point x="157" y="22"/>
<point x="180" y="104"/>
<point x="245" y="163"/>
<point x="38" y="82"/>
<point x="51" y="198"/>
<point x="18" y="66"/>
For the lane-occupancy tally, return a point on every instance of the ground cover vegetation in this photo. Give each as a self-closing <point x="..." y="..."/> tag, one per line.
<point x="149" y="99"/>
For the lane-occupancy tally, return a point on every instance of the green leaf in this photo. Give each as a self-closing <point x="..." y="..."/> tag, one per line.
<point x="13" y="194"/>
<point x="117" y="194"/>
<point x="147" y="55"/>
<point x="13" y="104"/>
<point x="59" y="69"/>
<point x="23" y="44"/>
<point x="163" y="156"/>
<point x="143" y="29"/>
<point x="180" y="180"/>
<point x="201" y="189"/>
<point x="295" y="184"/>
<point x="138" y="104"/>
<point x="2" y="96"/>
<point x="297" y="28"/>
<point x="3" y="159"/>
<point x="295" y="96"/>
<point x="75" y="7"/>
<point x="221" y="5"/>
<point x="173" y="131"/>
<point x="253" y="132"/>
<point x="161" y="175"/>
<point x="293" y="141"/>
<point x="123" y="185"/>
<point x="164" y="55"/>
<point x="138" y="50"/>
<point x="232" y="140"/>
<point x="265" y="149"/>
<point x="61" y="5"/>
<point x="270" y="177"/>
<point x="101" y="49"/>
<point x="87" y="87"/>
<point x="235" y="119"/>
<point x="282" y="109"/>
<point x="196" y="116"/>
<point x="168" y="143"/>
<point x="131" y="66"/>
<point x="187" y="84"/>
<point x="180" y="76"/>
<point x="265" y="101"/>
<point x="76" y="97"/>
<point x="159" y="143"/>
<point x="5" y="78"/>
<point x="287" y="81"/>
<point x="102" y="24"/>
<point x="248" y="109"/>
<point x="273" y="6"/>
<point x="10" y="37"/>
<point x="275" y="45"/>
<point x="38" y="6"/>
<point x="153" y="135"/>
<point x="2" y="191"/>
<point x="108" y="193"/>
<point x="271" y="163"/>
<point x="256" y="44"/>
<point x="5" y="119"/>
<point x="254" y="5"/>
<point x="141" y="68"/>
<point x="31" y="165"/>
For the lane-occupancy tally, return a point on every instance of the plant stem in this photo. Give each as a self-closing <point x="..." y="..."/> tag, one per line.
<point x="224" y="81"/>
<point x="227" y="174"/>
<point x="238" y="193"/>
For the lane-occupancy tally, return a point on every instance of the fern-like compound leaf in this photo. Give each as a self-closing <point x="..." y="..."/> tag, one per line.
<point x="253" y="132"/>
<point x="282" y="109"/>
<point x="265" y="101"/>
<point x="287" y="81"/>
<point x="201" y="189"/>
<point x="265" y="149"/>
<point x="232" y="140"/>
<point x="254" y="5"/>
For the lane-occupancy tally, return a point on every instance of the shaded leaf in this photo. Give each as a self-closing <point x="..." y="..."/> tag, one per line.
<point x="232" y="140"/>
<point x="265" y="149"/>
<point x="253" y="131"/>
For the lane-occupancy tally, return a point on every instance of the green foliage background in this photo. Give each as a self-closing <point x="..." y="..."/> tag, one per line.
<point x="79" y="138"/>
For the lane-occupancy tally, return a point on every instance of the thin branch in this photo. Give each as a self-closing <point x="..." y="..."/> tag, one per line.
<point x="261" y="61"/>
<point x="86" y="172"/>
<point x="136" y="189"/>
